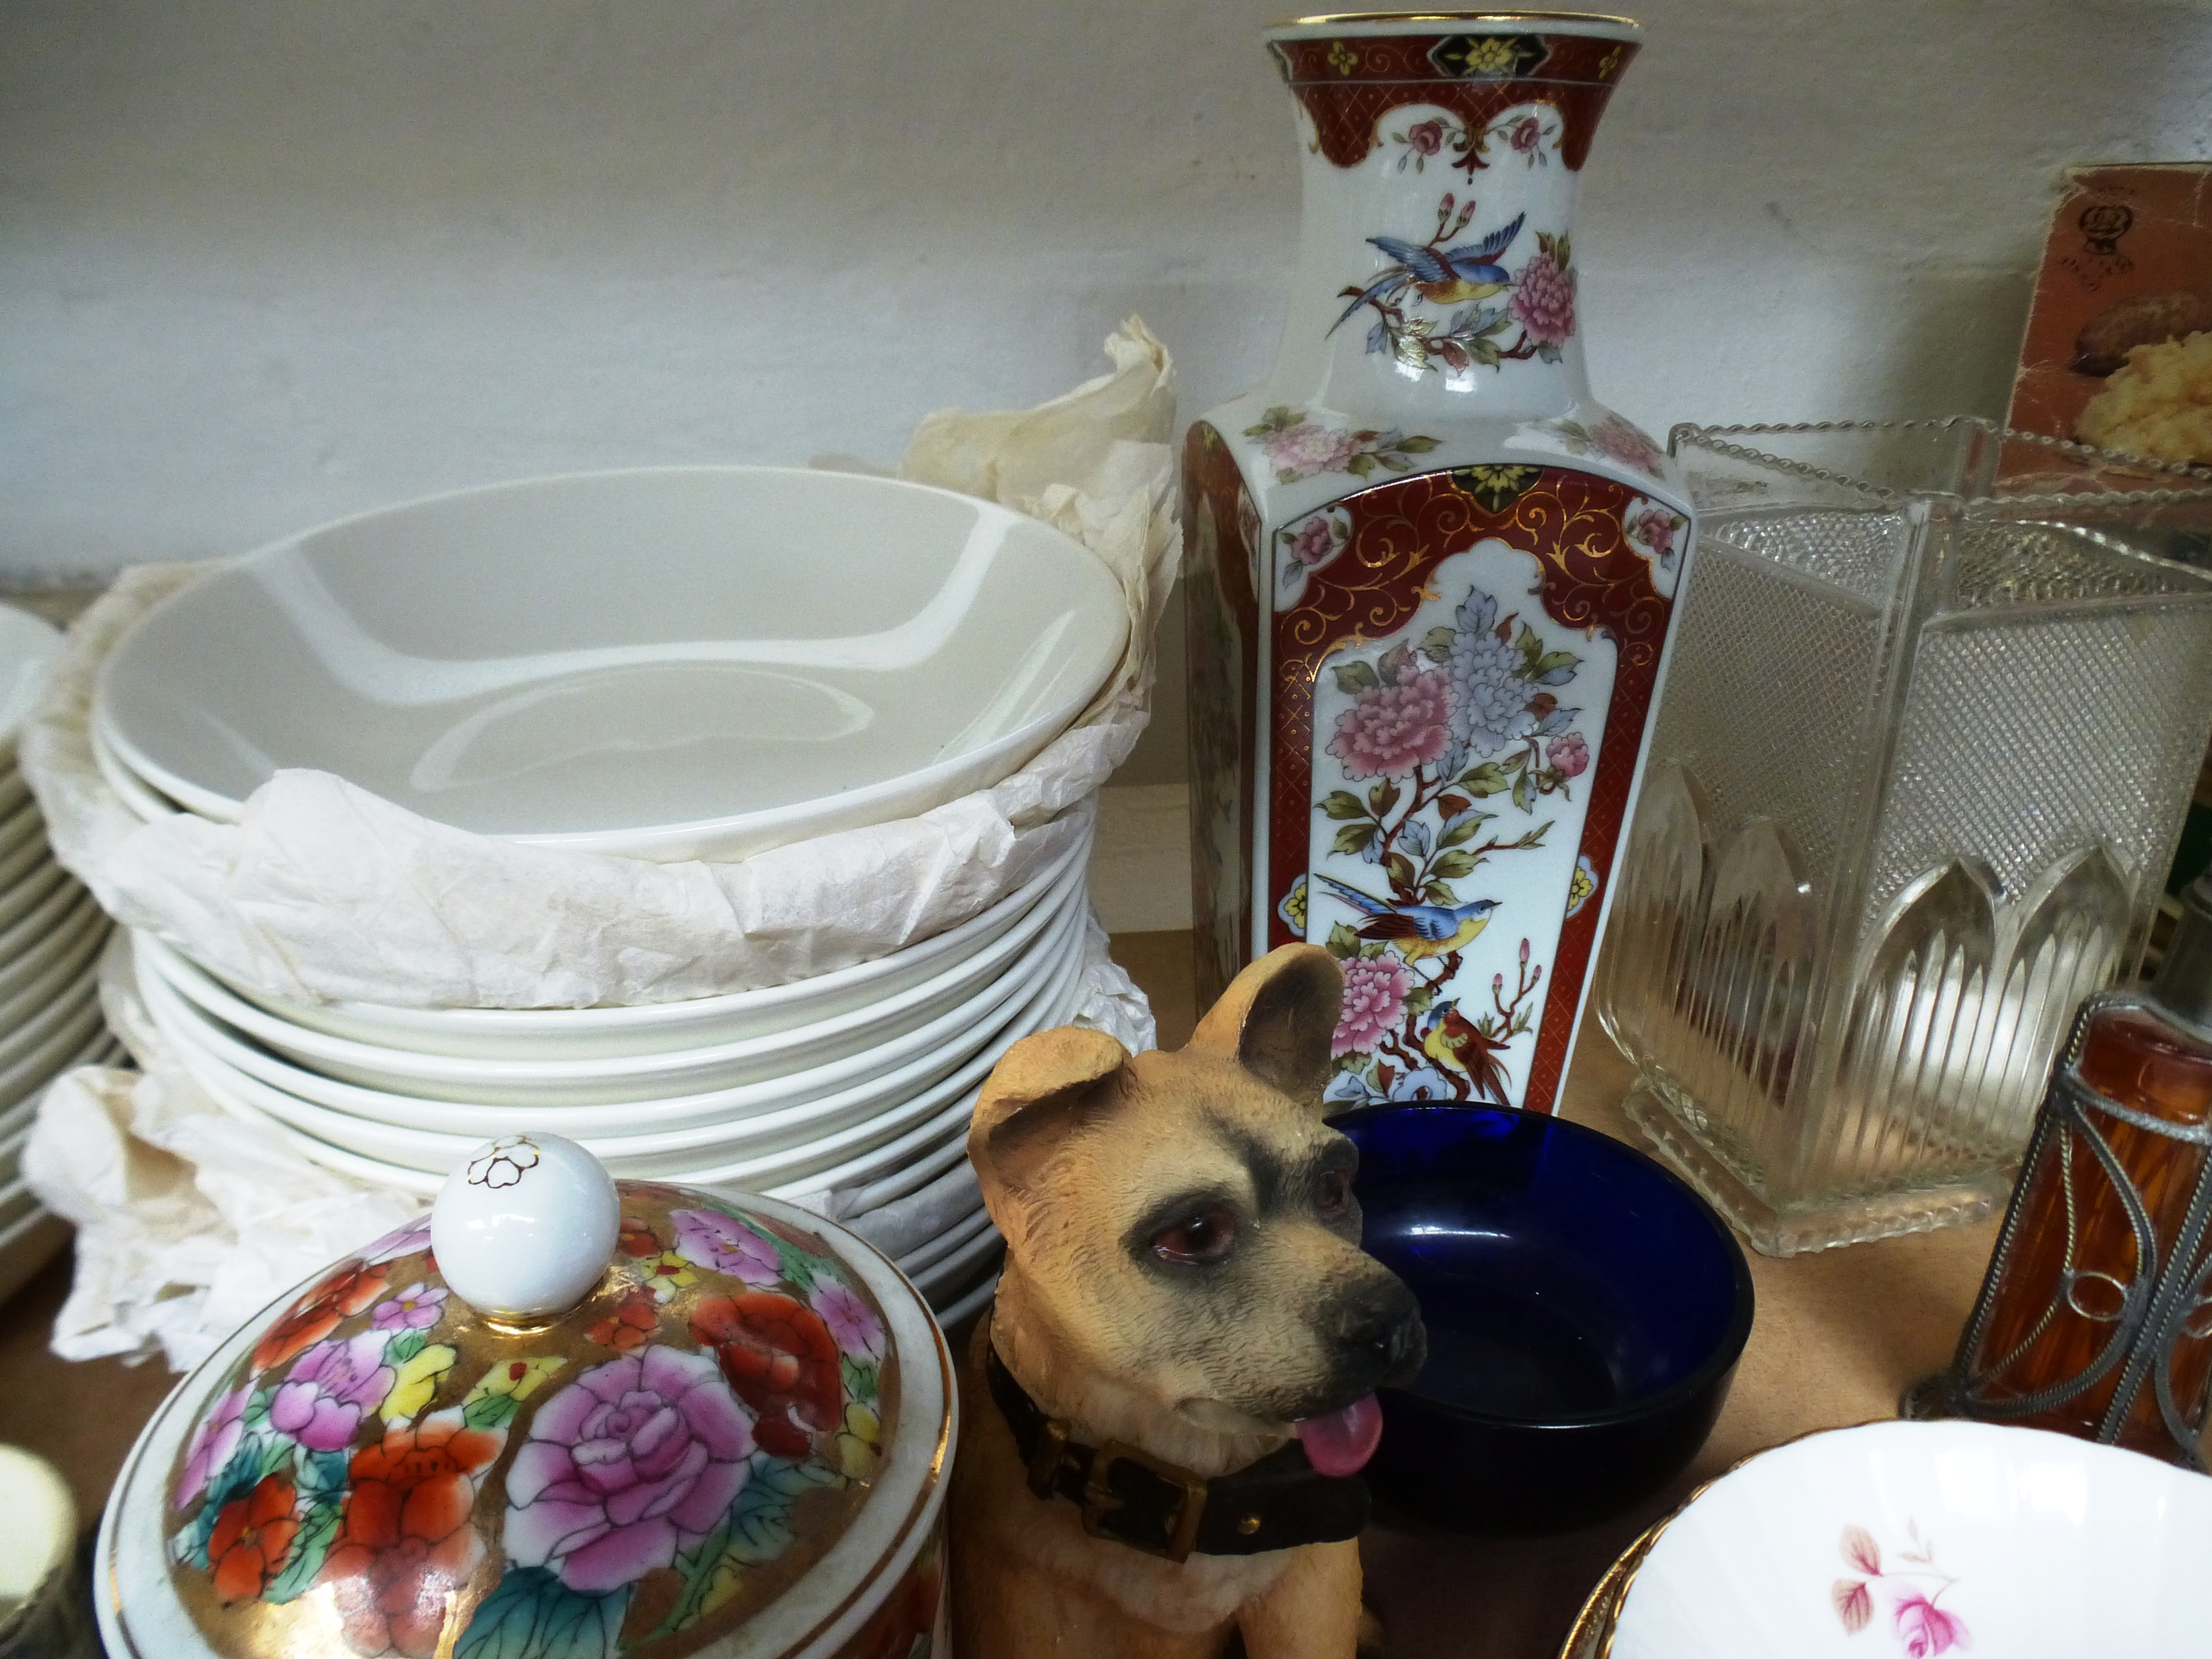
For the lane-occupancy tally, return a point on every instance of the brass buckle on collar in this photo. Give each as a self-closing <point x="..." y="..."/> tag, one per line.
<point x="1101" y="1500"/>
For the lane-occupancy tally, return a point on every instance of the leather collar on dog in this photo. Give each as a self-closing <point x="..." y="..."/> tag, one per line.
<point x="1132" y="1498"/>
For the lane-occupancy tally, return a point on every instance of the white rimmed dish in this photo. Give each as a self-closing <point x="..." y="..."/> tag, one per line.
<point x="147" y="804"/>
<point x="656" y="1028"/>
<point x="26" y="876"/>
<point x="1926" y="1538"/>
<point x="44" y="933"/>
<point x="42" y="1047"/>
<point x="670" y="663"/>
<point x="817" y="1123"/>
<point x="1019" y="953"/>
<point x="710" y="1084"/>
<point x="432" y="1135"/>
<point x="870" y="1113"/>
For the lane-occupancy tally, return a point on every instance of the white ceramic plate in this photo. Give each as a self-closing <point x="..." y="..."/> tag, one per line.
<point x="1017" y="954"/>
<point x="970" y="1302"/>
<point x="789" y="1112"/>
<point x="655" y="1028"/>
<point x="679" y="663"/>
<point x="14" y="787"/>
<point x="1900" y="1539"/>
<point x="50" y="930"/>
<point x="871" y="1116"/>
<point x="26" y="875"/>
<point x="29" y="647"/>
<point x="23" y="825"/>
<point x="44" y="1046"/>
<point x="64" y="973"/>
<point x="145" y="803"/>
<point x="954" y="1270"/>
<point x="715" y="1087"/>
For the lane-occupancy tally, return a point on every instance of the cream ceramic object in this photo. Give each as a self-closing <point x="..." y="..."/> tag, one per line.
<point x="525" y="1227"/>
<point x="37" y="1520"/>
<point x="801" y="1143"/>
<point x="1903" y="1540"/>
<point x="718" y="1083"/>
<point x="668" y="663"/>
<point x="655" y="1028"/>
<point x="1015" y="956"/>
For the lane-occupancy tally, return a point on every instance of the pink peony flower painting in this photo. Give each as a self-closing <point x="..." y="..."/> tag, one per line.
<point x="1926" y="1629"/>
<point x="1304" y="450"/>
<point x="636" y="1460"/>
<point x="1374" y="993"/>
<point x="1392" y="728"/>
<point x="320" y="1401"/>
<point x="1544" y="300"/>
<point x="1426" y="138"/>
<point x="1314" y="542"/>
<point x="1568" y="754"/>
<point x="724" y="1244"/>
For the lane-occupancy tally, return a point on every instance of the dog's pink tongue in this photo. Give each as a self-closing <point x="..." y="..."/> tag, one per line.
<point x="1341" y="1442"/>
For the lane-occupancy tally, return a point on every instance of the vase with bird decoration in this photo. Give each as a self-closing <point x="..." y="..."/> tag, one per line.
<point x="1431" y="580"/>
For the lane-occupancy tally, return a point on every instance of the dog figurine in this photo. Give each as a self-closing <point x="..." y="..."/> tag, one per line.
<point x="1170" y="1402"/>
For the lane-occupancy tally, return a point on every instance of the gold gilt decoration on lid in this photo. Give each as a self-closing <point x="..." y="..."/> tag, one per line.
<point x="386" y="1471"/>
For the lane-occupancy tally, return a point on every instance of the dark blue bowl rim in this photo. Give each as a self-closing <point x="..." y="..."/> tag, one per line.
<point x="1716" y="1364"/>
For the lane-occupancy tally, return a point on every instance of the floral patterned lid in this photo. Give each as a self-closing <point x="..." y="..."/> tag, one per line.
<point x="744" y="1420"/>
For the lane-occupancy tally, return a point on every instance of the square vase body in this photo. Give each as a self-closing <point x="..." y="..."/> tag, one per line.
<point x="1913" y="795"/>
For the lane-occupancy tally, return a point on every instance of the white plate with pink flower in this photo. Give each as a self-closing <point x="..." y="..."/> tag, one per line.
<point x="1908" y="1540"/>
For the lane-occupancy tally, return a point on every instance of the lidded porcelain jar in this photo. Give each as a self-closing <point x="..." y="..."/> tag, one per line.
<point x="1431" y="580"/>
<point x="560" y="1418"/>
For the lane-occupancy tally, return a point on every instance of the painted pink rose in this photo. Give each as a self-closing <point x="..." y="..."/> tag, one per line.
<point x="1426" y="138"/>
<point x="414" y="1309"/>
<point x="859" y="1333"/>
<point x="1544" y="300"/>
<point x="1655" y="528"/>
<point x="212" y="1444"/>
<point x="1526" y="132"/>
<point x="636" y="1460"/>
<point x="1568" y="754"/>
<point x="1390" y="730"/>
<point x="1926" y="1630"/>
<point x="1304" y="450"/>
<point x="723" y="1244"/>
<point x="1314" y="543"/>
<point x="320" y="1401"/>
<point x="1375" y="995"/>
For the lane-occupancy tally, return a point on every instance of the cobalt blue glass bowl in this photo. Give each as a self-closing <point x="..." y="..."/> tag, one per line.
<point x="1585" y="1311"/>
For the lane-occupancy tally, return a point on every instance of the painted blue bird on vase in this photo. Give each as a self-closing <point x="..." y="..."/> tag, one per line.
<point x="1442" y="275"/>
<point x="1420" y="931"/>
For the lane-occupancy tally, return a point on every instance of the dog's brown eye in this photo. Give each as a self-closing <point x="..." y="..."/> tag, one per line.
<point x="1205" y="1236"/>
<point x="1335" y="1194"/>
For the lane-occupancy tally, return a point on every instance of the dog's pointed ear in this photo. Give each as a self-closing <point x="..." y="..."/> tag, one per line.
<point x="1276" y="1019"/>
<point x="1041" y="1088"/>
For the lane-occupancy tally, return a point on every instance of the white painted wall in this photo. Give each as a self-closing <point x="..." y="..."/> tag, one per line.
<point x="263" y="262"/>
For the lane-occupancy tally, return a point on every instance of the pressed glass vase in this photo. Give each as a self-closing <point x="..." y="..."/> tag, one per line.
<point x="1914" y="794"/>
<point x="1431" y="581"/>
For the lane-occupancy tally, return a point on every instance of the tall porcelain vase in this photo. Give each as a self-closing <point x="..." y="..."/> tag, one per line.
<point x="1430" y="581"/>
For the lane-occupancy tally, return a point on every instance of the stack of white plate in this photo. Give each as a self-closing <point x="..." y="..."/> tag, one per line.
<point x="703" y="663"/>
<point x="51" y="931"/>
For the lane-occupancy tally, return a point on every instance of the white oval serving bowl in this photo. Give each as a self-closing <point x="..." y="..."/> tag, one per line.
<point x="1919" y="1539"/>
<point x="668" y="663"/>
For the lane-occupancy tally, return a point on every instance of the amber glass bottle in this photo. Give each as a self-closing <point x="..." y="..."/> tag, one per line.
<point x="2096" y="1318"/>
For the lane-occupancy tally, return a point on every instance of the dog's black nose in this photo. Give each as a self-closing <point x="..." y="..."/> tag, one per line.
<point x="1382" y="1334"/>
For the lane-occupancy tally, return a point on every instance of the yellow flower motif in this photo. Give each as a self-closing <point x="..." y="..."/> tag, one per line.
<point x="1611" y="61"/>
<point x="667" y="1273"/>
<point x="1580" y="888"/>
<point x="1342" y="59"/>
<point x="1492" y="55"/>
<point x="520" y="1377"/>
<point x="860" y="1443"/>
<point x="418" y="1379"/>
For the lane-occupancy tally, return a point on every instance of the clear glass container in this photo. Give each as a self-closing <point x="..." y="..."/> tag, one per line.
<point x="1924" y="752"/>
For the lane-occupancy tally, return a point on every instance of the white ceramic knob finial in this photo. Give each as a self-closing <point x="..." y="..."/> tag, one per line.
<point x="526" y="1227"/>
